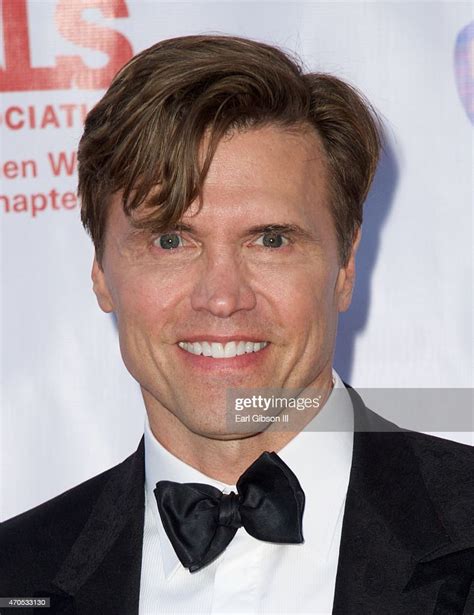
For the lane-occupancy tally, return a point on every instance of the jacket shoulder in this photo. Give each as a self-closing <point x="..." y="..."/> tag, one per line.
<point x="443" y="466"/>
<point x="34" y="543"/>
<point x="433" y="453"/>
<point x="433" y="448"/>
<point x="447" y="470"/>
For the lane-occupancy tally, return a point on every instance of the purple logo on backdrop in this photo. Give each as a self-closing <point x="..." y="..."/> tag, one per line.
<point x="464" y="68"/>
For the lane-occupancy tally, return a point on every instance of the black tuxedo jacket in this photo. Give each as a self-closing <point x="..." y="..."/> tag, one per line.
<point x="407" y="545"/>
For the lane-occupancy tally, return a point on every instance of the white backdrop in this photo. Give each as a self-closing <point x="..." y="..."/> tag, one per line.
<point x="69" y="408"/>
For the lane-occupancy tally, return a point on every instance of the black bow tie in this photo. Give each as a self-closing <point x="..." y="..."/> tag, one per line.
<point x="200" y="520"/>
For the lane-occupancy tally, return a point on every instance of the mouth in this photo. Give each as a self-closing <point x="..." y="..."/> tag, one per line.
<point x="219" y="350"/>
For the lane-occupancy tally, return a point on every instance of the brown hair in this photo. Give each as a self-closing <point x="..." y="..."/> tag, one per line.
<point x="145" y="134"/>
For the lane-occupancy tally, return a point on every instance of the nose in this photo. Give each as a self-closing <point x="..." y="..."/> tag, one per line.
<point x="222" y="287"/>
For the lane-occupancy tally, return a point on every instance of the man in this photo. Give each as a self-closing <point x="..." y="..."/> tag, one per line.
<point x="223" y="190"/>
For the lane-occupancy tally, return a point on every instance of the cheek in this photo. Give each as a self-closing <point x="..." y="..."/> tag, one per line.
<point x="304" y="297"/>
<point x="145" y="310"/>
<point x="146" y="317"/>
<point x="146" y="295"/>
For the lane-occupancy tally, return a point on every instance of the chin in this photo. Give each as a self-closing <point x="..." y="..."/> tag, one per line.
<point x="227" y="436"/>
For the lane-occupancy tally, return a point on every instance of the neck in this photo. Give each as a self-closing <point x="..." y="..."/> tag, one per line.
<point x="226" y="457"/>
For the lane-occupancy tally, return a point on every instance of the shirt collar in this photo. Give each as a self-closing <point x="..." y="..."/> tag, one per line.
<point x="160" y="464"/>
<point x="308" y="462"/>
<point x="321" y="457"/>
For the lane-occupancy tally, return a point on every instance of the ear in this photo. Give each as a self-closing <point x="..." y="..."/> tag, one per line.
<point x="346" y="277"/>
<point x="100" y="287"/>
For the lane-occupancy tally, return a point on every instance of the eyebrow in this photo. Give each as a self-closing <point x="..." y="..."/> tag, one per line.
<point x="285" y="229"/>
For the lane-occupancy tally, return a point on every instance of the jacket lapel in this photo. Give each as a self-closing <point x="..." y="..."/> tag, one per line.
<point x="396" y="556"/>
<point x="102" y="570"/>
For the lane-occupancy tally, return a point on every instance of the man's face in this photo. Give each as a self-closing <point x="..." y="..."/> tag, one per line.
<point x="254" y="275"/>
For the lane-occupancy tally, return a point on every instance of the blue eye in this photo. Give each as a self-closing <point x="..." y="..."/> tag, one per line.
<point x="170" y="241"/>
<point x="272" y="240"/>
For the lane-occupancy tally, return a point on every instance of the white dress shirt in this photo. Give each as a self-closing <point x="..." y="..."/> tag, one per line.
<point x="252" y="576"/>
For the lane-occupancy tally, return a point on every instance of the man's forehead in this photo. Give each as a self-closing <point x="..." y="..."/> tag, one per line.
<point x="256" y="154"/>
<point x="262" y="171"/>
<point x="255" y="176"/>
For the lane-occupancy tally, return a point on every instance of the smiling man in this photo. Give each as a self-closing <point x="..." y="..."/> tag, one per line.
<point x="223" y="189"/>
<point x="243" y="293"/>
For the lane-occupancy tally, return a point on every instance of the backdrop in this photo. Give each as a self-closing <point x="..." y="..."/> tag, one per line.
<point x="69" y="407"/>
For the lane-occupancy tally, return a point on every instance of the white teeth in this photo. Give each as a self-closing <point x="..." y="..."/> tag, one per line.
<point x="230" y="349"/>
<point x="216" y="350"/>
<point x="206" y="349"/>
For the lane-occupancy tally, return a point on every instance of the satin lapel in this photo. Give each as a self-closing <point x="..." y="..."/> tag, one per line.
<point x="391" y="528"/>
<point x="102" y="571"/>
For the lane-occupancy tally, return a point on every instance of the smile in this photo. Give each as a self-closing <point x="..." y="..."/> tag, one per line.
<point x="216" y="350"/>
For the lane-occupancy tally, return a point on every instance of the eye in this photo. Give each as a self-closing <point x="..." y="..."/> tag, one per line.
<point x="169" y="241"/>
<point x="272" y="240"/>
